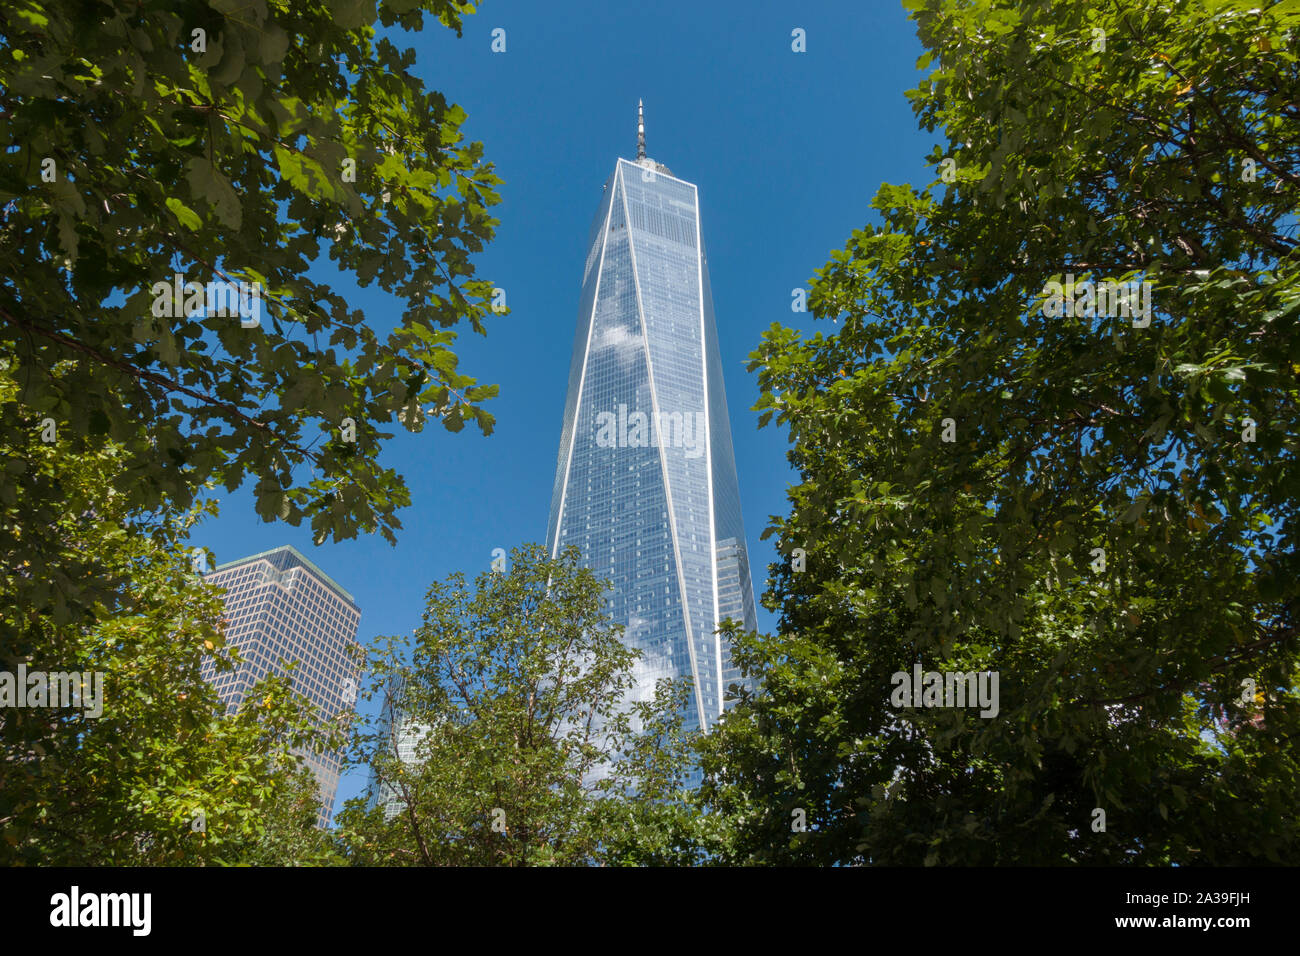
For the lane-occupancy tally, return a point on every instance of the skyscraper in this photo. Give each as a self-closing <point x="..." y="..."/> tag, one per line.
<point x="283" y="608"/>
<point x="403" y="739"/>
<point x="645" y="483"/>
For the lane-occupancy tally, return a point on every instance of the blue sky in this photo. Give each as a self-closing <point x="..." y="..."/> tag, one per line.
<point x="787" y="150"/>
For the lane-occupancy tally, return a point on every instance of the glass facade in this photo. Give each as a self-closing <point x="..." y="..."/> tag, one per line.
<point x="645" y="483"/>
<point x="403" y="739"/>
<point x="281" y="608"/>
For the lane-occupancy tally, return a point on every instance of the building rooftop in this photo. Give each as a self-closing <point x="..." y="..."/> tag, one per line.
<point x="293" y="554"/>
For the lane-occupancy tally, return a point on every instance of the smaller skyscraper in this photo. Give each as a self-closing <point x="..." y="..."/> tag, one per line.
<point x="402" y="736"/>
<point x="282" y="608"/>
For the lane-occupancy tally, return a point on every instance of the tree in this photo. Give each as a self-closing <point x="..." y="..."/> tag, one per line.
<point x="164" y="155"/>
<point x="524" y="748"/>
<point x="1004" y="470"/>
<point x="142" y="766"/>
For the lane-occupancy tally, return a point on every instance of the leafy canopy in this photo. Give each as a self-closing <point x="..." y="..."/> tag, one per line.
<point x="1104" y="514"/>
<point x="510" y="738"/>
<point x="162" y="775"/>
<point x="225" y="141"/>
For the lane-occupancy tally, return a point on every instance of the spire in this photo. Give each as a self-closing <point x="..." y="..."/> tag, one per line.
<point x="641" y="160"/>
<point x="640" y="130"/>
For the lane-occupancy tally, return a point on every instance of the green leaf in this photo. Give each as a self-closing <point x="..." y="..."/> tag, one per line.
<point x="186" y="216"/>
<point x="207" y="182"/>
<point x="350" y="14"/>
<point x="306" y="175"/>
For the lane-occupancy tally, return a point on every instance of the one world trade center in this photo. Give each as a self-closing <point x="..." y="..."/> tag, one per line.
<point x="645" y="483"/>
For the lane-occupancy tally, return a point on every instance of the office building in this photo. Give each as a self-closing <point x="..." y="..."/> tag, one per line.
<point x="282" y="608"/>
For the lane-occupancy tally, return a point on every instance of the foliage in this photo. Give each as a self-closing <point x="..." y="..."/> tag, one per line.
<point x="525" y="748"/>
<point x="163" y="775"/>
<point x="223" y="141"/>
<point x="1112" y="526"/>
